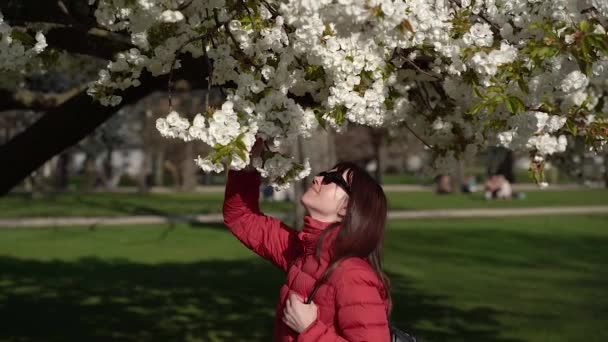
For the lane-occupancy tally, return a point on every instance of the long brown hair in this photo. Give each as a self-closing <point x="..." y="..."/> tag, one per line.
<point x="362" y="227"/>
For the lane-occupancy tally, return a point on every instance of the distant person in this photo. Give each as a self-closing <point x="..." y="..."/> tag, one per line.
<point x="338" y="252"/>
<point x="498" y="187"/>
<point x="268" y="192"/>
<point x="470" y="185"/>
<point x="444" y="185"/>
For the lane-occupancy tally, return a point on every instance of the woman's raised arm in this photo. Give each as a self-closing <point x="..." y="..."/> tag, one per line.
<point x="267" y="236"/>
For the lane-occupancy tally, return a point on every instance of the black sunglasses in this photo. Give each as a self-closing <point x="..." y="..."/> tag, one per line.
<point x="336" y="178"/>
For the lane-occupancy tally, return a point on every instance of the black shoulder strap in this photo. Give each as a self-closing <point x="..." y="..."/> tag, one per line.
<point x="314" y="291"/>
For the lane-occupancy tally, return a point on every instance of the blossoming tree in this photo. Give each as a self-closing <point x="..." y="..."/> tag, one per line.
<point x="458" y="74"/>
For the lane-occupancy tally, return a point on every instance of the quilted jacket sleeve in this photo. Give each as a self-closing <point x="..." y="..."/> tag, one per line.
<point x="361" y="312"/>
<point x="267" y="236"/>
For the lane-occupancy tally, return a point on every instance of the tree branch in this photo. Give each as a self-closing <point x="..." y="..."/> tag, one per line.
<point x="71" y="121"/>
<point x="77" y="41"/>
<point x="29" y="100"/>
<point x="63" y="12"/>
<point x="495" y="28"/>
<point x="416" y="135"/>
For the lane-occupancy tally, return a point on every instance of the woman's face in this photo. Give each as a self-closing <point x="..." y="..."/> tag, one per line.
<point x="327" y="202"/>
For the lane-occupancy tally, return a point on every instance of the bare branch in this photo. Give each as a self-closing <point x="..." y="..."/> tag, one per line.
<point x="249" y="14"/>
<point x="417" y="136"/>
<point x="242" y="54"/>
<point x="410" y="62"/>
<point x="184" y="5"/>
<point x="270" y="9"/>
<point x="209" y="74"/>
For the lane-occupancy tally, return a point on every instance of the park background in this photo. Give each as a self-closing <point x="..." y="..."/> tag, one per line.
<point x="121" y="238"/>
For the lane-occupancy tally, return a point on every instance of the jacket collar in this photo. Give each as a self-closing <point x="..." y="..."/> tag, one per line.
<point x="311" y="232"/>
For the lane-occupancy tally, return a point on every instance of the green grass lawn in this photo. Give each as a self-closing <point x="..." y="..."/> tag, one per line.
<point x="108" y="204"/>
<point x="507" y="280"/>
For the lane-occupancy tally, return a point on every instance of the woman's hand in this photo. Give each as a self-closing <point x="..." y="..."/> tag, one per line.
<point x="256" y="151"/>
<point x="298" y="315"/>
<point x="257" y="148"/>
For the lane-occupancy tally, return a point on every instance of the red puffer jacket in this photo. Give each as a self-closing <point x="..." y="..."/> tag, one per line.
<point x="352" y="304"/>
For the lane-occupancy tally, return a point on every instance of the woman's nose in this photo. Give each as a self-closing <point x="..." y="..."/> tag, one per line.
<point x="318" y="179"/>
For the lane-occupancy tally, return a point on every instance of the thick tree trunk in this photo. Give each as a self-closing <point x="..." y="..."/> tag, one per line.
<point x="62" y="173"/>
<point x="159" y="170"/>
<point x="142" y="177"/>
<point x="174" y="172"/>
<point x="377" y="137"/>
<point x="108" y="169"/>
<point x="299" y="151"/>
<point x="188" y="169"/>
<point x="459" y="175"/>
<point x="90" y="173"/>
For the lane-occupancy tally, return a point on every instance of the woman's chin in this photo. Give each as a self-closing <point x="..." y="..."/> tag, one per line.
<point x="307" y="199"/>
<point x="304" y="200"/>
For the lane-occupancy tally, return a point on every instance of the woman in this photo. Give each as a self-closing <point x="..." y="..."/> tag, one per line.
<point x="339" y="248"/>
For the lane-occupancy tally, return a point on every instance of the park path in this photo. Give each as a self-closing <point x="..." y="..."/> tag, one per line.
<point x="31" y="222"/>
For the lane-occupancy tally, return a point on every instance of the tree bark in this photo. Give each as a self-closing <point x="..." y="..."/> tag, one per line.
<point x="188" y="169"/>
<point x="299" y="186"/>
<point x="321" y="150"/>
<point x="377" y="136"/>
<point x="142" y="177"/>
<point x="174" y="172"/>
<point x="62" y="171"/>
<point x="159" y="162"/>
<point x="90" y="172"/>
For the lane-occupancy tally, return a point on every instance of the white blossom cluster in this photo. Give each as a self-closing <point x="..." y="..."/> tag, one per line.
<point x="282" y="169"/>
<point x="460" y="74"/>
<point x="533" y="131"/>
<point x="14" y="55"/>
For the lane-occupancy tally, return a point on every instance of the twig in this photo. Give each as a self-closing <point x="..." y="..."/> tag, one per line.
<point x="235" y="42"/>
<point x="62" y="6"/>
<point x="299" y="61"/>
<point x="496" y="28"/>
<point x="270" y="9"/>
<point x="184" y="5"/>
<point x="249" y="14"/>
<point x="409" y="61"/>
<point x="170" y="84"/>
<point x="425" y="100"/>
<point x="209" y="74"/>
<point x="202" y="38"/>
<point x="417" y="136"/>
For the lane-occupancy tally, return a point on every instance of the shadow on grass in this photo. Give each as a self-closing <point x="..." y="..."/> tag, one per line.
<point x="98" y="300"/>
<point x="429" y="318"/>
<point x="125" y="207"/>
<point x="205" y="206"/>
